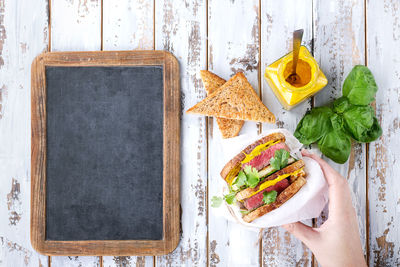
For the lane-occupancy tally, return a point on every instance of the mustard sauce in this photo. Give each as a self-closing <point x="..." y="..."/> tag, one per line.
<point x="232" y="175"/>
<point x="275" y="181"/>
<point x="312" y="80"/>
<point x="303" y="71"/>
<point x="257" y="151"/>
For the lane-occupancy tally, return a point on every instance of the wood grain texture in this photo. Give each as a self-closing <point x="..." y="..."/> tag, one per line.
<point x="279" y="20"/>
<point x="23" y="35"/>
<point x="383" y="41"/>
<point x="233" y="46"/>
<point x="171" y="142"/>
<point x="128" y="25"/>
<point x="181" y="29"/>
<point x="128" y="261"/>
<point x="339" y="44"/>
<point x="75" y="26"/>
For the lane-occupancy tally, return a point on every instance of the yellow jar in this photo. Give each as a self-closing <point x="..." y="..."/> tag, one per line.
<point x="311" y="81"/>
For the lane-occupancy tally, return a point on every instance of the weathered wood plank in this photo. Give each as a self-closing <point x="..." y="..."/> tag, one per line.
<point x="383" y="42"/>
<point x="180" y="27"/>
<point x="128" y="25"/>
<point x="128" y="261"/>
<point x="23" y="35"/>
<point x="74" y="261"/>
<point x="339" y="44"/>
<point x="233" y="46"/>
<point x="75" y="25"/>
<point x="279" y="20"/>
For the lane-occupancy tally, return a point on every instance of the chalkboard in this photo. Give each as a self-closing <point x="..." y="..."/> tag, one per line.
<point x="105" y="153"/>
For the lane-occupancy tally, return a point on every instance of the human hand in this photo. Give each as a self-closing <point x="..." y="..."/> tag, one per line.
<point x="337" y="241"/>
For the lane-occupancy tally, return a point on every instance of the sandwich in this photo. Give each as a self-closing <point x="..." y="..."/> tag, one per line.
<point x="236" y="100"/>
<point x="228" y="127"/>
<point x="262" y="177"/>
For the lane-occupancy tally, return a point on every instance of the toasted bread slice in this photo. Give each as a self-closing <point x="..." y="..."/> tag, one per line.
<point x="229" y="128"/>
<point x="239" y="157"/>
<point x="236" y="99"/>
<point x="211" y="81"/>
<point x="284" y="196"/>
<point x="242" y="195"/>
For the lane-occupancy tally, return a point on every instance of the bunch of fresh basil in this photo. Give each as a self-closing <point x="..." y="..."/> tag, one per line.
<point x="348" y="117"/>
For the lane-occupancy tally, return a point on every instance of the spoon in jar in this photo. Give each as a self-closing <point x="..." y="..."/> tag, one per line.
<point x="297" y="37"/>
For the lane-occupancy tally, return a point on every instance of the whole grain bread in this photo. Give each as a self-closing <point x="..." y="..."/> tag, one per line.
<point x="284" y="196"/>
<point x="242" y="195"/>
<point x="228" y="127"/>
<point x="211" y="81"/>
<point x="236" y="99"/>
<point x="239" y="157"/>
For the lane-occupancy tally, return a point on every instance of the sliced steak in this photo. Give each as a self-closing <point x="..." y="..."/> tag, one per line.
<point x="256" y="201"/>
<point x="261" y="161"/>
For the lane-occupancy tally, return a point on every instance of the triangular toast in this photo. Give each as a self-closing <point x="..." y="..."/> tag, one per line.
<point x="235" y="99"/>
<point x="229" y="128"/>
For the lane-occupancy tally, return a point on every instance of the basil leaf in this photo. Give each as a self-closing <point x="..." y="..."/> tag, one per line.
<point x="270" y="197"/>
<point x="373" y="133"/>
<point x="350" y="117"/>
<point x="360" y="86"/>
<point x="253" y="177"/>
<point x="230" y="198"/>
<point x="337" y="122"/>
<point x="336" y="145"/>
<point x="341" y="104"/>
<point x="216" y="201"/>
<point x="362" y="124"/>
<point x="314" y="125"/>
<point x="280" y="159"/>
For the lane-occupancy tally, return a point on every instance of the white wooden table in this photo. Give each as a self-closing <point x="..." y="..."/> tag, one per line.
<point x="224" y="36"/>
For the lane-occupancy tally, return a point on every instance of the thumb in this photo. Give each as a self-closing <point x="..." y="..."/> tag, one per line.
<point x="303" y="232"/>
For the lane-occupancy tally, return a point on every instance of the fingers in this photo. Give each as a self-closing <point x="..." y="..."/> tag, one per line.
<point x="303" y="232"/>
<point x="331" y="175"/>
<point x="339" y="192"/>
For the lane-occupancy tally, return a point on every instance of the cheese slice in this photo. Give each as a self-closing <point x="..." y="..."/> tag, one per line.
<point x="275" y="181"/>
<point x="258" y="149"/>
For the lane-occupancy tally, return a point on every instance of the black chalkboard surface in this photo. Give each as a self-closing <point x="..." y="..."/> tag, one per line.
<point x="105" y="153"/>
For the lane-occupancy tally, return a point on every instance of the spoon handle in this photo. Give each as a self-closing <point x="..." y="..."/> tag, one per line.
<point x="297" y="37"/>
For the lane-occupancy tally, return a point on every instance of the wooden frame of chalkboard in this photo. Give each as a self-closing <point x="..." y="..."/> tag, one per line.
<point x="171" y="154"/>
